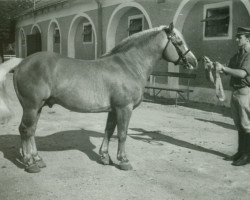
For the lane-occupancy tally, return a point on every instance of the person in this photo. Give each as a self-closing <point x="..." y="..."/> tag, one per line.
<point x="239" y="70"/>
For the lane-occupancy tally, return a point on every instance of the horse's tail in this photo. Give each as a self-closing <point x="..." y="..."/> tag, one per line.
<point x="5" y="68"/>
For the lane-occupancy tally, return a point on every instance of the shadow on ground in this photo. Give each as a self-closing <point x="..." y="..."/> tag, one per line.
<point x="157" y="136"/>
<point x="225" y="111"/>
<point x="222" y="124"/>
<point x="80" y="140"/>
<point x="61" y="141"/>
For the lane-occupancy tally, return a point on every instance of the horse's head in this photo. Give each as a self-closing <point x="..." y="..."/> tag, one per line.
<point x="176" y="50"/>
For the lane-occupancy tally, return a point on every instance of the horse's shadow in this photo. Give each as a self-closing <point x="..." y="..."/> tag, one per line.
<point x="65" y="140"/>
<point x="80" y="140"/>
<point x="222" y="124"/>
<point x="156" y="137"/>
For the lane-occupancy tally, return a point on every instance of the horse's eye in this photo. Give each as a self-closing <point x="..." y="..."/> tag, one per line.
<point x="179" y="42"/>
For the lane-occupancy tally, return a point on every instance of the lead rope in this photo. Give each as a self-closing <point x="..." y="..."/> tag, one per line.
<point x="209" y="66"/>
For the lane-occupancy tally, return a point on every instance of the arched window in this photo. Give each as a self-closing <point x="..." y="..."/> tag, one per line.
<point x="87" y="33"/>
<point x="56" y="35"/>
<point x="135" y="24"/>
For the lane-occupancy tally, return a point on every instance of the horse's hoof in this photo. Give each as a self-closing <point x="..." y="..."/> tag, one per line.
<point x="106" y="160"/>
<point x="32" y="168"/>
<point x="40" y="163"/>
<point x="125" y="166"/>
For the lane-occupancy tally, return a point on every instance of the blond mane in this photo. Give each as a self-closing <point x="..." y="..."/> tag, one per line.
<point x="137" y="40"/>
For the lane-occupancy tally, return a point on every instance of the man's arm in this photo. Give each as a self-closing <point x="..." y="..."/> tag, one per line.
<point x="240" y="73"/>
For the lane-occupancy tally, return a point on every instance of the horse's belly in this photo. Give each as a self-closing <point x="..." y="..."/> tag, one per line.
<point x="82" y="102"/>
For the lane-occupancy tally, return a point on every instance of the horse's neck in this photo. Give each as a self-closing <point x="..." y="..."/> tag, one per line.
<point x="145" y="58"/>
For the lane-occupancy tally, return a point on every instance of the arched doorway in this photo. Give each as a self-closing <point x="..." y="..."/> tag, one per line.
<point x="82" y="42"/>
<point x="121" y="22"/>
<point x="54" y="37"/>
<point x="34" y="42"/>
<point x="21" y="44"/>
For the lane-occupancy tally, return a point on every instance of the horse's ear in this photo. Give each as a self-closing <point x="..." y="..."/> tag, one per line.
<point x="171" y="26"/>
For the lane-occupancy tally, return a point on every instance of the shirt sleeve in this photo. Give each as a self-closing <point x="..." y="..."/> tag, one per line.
<point x="231" y="62"/>
<point x="246" y="64"/>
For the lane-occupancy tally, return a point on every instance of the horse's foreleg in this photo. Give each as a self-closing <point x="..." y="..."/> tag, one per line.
<point x="27" y="129"/>
<point x="109" y="130"/>
<point x="37" y="159"/>
<point x="123" y="118"/>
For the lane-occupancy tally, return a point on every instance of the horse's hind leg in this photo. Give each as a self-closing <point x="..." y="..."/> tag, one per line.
<point x="109" y="130"/>
<point x="123" y="118"/>
<point x="27" y="131"/>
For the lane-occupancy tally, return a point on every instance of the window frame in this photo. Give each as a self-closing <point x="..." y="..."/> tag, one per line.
<point x="230" y="25"/>
<point x="54" y="34"/>
<point x="87" y="24"/>
<point x="23" y="39"/>
<point x="140" y="16"/>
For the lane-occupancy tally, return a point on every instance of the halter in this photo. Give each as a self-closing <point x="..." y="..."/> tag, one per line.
<point x="182" y="56"/>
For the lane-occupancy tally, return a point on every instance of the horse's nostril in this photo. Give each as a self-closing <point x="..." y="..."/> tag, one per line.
<point x="192" y="64"/>
<point x="191" y="67"/>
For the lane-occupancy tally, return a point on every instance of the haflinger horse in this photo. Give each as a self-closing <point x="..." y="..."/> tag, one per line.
<point x="113" y="83"/>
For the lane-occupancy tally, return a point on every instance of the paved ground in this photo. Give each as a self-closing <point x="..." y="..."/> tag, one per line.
<point x="176" y="153"/>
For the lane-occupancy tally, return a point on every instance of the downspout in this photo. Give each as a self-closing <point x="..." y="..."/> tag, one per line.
<point x="100" y="27"/>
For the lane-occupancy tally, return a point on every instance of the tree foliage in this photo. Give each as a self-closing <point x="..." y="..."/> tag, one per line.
<point x="9" y="11"/>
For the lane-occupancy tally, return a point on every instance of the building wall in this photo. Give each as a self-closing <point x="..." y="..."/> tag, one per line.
<point x="93" y="14"/>
<point x="85" y="51"/>
<point x="122" y="31"/>
<point x="64" y="23"/>
<point x="160" y="13"/>
<point x="44" y="33"/>
<point x="106" y="14"/>
<point x="217" y="50"/>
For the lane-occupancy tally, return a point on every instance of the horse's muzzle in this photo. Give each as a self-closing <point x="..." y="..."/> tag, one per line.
<point x="192" y="61"/>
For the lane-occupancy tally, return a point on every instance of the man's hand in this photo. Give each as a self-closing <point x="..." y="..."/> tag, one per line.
<point x="208" y="64"/>
<point x="219" y="67"/>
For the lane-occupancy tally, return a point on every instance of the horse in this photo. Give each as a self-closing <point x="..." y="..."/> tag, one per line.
<point x="113" y="83"/>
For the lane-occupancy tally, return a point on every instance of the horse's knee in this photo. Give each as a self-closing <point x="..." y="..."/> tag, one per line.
<point x="122" y="137"/>
<point x="25" y="131"/>
<point x="22" y="130"/>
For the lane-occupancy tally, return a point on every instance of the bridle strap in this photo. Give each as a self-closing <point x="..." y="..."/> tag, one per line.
<point x="182" y="56"/>
<point x="165" y="48"/>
